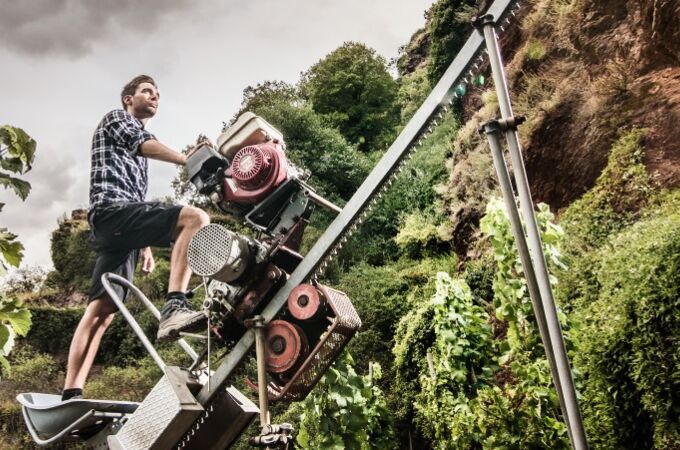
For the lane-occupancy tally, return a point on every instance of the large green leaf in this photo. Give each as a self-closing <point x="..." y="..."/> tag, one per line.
<point x="20" y="146"/>
<point x="19" y="320"/>
<point x="4" y="337"/>
<point x="20" y="187"/>
<point x="11" y="251"/>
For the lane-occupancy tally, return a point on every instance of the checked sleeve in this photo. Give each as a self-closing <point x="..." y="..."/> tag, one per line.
<point x="126" y="131"/>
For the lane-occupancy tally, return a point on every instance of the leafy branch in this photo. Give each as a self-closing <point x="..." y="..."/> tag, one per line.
<point x="17" y="152"/>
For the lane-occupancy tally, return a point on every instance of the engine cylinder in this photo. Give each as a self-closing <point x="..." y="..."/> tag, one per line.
<point x="218" y="253"/>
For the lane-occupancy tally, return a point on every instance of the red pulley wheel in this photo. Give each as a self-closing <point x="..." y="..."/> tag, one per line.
<point x="305" y="302"/>
<point x="287" y="346"/>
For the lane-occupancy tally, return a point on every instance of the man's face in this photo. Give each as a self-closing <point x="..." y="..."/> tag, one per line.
<point x="144" y="103"/>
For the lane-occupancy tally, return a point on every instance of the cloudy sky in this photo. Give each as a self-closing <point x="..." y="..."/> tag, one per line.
<point x="64" y="62"/>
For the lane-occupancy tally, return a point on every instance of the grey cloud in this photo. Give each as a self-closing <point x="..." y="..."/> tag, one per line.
<point x="72" y="27"/>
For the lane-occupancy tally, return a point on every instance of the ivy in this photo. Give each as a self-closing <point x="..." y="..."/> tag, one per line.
<point x="346" y="411"/>
<point x="482" y="377"/>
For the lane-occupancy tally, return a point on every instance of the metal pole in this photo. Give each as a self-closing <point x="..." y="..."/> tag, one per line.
<point x="261" y="354"/>
<point x="131" y="320"/>
<point x="570" y="407"/>
<point x="492" y="130"/>
<point x="150" y="306"/>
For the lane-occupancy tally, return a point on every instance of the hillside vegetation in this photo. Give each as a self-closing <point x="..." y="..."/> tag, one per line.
<point x="449" y="356"/>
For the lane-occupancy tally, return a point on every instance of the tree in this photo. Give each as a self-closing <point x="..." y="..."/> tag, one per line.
<point x="267" y="94"/>
<point x="17" y="151"/>
<point x="449" y="27"/>
<point x="353" y="90"/>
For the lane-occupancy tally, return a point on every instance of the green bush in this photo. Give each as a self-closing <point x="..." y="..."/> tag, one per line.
<point x="630" y="336"/>
<point x="54" y="327"/>
<point x="353" y="90"/>
<point x="471" y="373"/>
<point x="72" y="255"/>
<point x="382" y="295"/>
<point x="449" y="28"/>
<point x="346" y="410"/>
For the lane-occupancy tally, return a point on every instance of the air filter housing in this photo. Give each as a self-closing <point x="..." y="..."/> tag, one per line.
<point x="255" y="172"/>
<point x="218" y="253"/>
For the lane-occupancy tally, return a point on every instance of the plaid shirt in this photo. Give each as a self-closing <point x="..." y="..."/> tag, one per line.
<point x="118" y="173"/>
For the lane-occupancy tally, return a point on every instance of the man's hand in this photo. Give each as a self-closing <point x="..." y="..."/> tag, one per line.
<point x="148" y="263"/>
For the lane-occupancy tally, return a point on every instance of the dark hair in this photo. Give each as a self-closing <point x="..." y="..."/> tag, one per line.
<point x="131" y="87"/>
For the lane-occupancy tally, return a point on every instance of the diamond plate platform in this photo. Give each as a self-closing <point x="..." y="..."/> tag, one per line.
<point x="161" y="420"/>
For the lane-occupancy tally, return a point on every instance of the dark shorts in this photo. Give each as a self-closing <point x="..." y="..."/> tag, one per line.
<point x="120" y="230"/>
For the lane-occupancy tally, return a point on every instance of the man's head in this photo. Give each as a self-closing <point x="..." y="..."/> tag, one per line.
<point x="140" y="97"/>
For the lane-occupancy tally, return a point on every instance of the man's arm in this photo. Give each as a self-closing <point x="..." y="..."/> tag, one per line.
<point x="155" y="150"/>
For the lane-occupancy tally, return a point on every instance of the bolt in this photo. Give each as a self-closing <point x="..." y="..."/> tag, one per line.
<point x="303" y="301"/>
<point x="277" y="344"/>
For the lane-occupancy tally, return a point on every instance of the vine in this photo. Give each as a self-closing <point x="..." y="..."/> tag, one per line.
<point x="346" y="411"/>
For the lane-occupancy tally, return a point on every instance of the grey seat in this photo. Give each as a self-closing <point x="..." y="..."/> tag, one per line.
<point x="50" y="420"/>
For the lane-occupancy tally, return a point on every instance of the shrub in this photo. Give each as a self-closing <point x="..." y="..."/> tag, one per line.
<point x="352" y="89"/>
<point x="630" y="337"/>
<point x="346" y="410"/>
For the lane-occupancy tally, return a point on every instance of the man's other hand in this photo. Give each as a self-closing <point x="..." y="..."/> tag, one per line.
<point x="148" y="262"/>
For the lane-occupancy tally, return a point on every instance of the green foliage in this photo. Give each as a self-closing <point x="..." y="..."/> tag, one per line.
<point x="630" y="335"/>
<point x="478" y="380"/>
<point x="413" y="90"/>
<point x="421" y="235"/>
<point x="53" y="329"/>
<point x="460" y="361"/>
<point x="621" y="190"/>
<point x="449" y="27"/>
<point x="414" y="191"/>
<point x="352" y="89"/>
<point x="266" y="95"/>
<point x="15" y="320"/>
<point x="511" y="300"/>
<point x="31" y="372"/>
<point x="17" y="152"/>
<point x="346" y="411"/>
<point x="131" y="383"/>
<point x="72" y="255"/>
<point x="382" y="295"/>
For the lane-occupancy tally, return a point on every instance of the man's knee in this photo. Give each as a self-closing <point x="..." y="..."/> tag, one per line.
<point x="193" y="218"/>
<point x="101" y="311"/>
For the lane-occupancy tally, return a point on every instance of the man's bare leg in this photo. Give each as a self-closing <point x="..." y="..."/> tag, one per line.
<point x="189" y="222"/>
<point x="85" y="343"/>
<point x="176" y="315"/>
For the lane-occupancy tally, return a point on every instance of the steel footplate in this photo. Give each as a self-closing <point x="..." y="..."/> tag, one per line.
<point x="166" y="413"/>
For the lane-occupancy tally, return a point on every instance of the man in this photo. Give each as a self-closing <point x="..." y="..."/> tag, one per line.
<point x="124" y="226"/>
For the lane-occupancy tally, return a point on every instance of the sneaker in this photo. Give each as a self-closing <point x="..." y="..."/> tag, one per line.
<point x="176" y="317"/>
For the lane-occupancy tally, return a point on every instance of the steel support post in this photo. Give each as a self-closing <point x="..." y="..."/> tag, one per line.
<point x="261" y="355"/>
<point x="562" y="376"/>
<point x="492" y="130"/>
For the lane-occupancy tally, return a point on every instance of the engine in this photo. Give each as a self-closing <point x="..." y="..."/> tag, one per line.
<point x="248" y="176"/>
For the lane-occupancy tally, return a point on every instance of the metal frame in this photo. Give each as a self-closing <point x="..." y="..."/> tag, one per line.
<point x="529" y="246"/>
<point x="440" y="95"/>
<point x="107" y="279"/>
